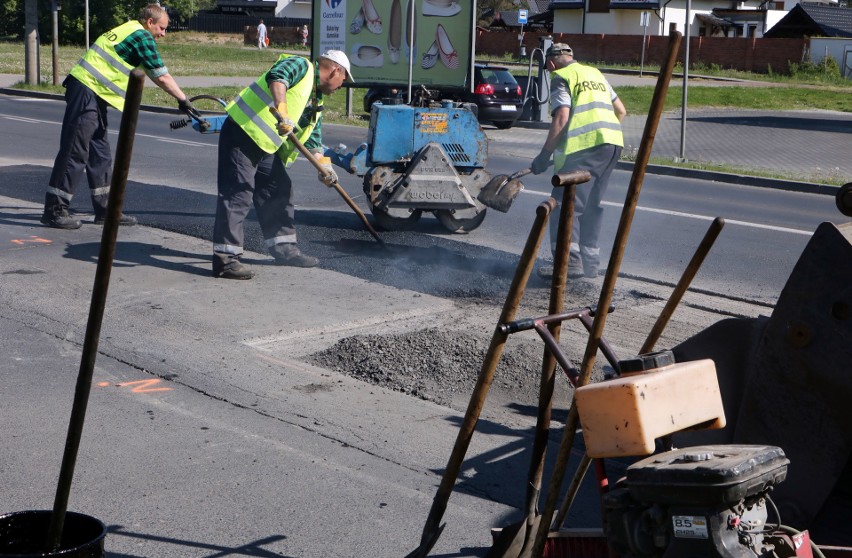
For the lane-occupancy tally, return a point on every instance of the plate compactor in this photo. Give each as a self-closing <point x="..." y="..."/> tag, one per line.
<point x="428" y="159"/>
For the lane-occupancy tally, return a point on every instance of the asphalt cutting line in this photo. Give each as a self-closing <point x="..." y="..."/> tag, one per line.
<point x="695" y="216"/>
<point x="390" y="322"/>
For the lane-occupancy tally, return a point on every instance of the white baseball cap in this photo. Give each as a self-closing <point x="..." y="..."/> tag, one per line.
<point x="340" y="58"/>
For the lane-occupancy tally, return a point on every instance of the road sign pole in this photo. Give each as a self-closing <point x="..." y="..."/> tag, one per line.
<point x="644" y="21"/>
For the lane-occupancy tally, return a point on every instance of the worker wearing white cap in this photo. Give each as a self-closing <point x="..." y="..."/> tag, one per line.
<point x="584" y="134"/>
<point x="254" y="155"/>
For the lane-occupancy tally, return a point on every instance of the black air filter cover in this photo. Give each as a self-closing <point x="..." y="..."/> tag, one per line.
<point x="707" y="475"/>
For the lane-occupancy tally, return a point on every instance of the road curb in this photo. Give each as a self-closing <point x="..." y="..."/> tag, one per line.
<point x="60" y="97"/>
<point x="732" y="178"/>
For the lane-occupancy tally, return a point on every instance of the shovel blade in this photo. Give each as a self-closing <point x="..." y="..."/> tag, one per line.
<point x="512" y="541"/>
<point x="426" y="544"/>
<point x="500" y="192"/>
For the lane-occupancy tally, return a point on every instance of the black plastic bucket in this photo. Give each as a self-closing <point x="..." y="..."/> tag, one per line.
<point x="24" y="535"/>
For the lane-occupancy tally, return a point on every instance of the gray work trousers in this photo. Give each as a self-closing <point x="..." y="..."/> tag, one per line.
<point x="249" y="176"/>
<point x="83" y="147"/>
<point x="588" y="212"/>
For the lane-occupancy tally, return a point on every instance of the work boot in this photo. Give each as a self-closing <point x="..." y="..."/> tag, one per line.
<point x="545" y="271"/>
<point x="234" y="270"/>
<point x="289" y="254"/>
<point x="575" y="268"/>
<point x="58" y="218"/>
<point x="123" y="220"/>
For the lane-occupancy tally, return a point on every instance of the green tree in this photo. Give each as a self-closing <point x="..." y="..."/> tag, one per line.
<point x="489" y="8"/>
<point x="12" y="19"/>
<point x="103" y="16"/>
<point x="185" y="9"/>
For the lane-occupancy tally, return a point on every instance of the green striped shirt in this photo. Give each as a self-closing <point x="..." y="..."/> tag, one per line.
<point x="140" y="50"/>
<point x="291" y="71"/>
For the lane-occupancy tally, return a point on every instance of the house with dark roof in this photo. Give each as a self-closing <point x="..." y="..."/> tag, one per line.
<point x="708" y="18"/>
<point x="813" y="20"/>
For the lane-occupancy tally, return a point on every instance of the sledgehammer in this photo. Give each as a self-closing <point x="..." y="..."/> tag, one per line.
<point x="336" y="185"/>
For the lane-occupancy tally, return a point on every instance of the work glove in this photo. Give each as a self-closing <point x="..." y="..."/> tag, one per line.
<point x="541" y="161"/>
<point x="328" y="177"/>
<point x="186" y="107"/>
<point x="285" y="124"/>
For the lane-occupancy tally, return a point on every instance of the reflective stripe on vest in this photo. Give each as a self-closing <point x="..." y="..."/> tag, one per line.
<point x="593" y="121"/>
<point x="250" y="110"/>
<point x="102" y="70"/>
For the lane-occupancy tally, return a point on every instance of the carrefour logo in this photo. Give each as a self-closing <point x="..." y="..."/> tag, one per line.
<point x="333" y="3"/>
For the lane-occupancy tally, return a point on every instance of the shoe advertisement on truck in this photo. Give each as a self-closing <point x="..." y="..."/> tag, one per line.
<point x="390" y="41"/>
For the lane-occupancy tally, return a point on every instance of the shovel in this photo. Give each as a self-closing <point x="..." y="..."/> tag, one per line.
<point x="502" y="190"/>
<point x="336" y="185"/>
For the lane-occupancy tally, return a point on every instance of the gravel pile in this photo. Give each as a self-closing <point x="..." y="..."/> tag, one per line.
<point x="437" y="365"/>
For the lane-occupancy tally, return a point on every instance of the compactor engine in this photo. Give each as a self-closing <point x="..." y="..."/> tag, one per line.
<point x="424" y="159"/>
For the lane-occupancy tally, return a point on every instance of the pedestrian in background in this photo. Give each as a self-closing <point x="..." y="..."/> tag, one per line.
<point x="584" y="134"/>
<point x="261" y="35"/>
<point x="100" y="79"/>
<point x="304" y="34"/>
<point x="254" y="155"/>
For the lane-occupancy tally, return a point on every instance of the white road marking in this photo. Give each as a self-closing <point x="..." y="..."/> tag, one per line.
<point x="27" y="120"/>
<point x="178" y="141"/>
<point x="694" y="216"/>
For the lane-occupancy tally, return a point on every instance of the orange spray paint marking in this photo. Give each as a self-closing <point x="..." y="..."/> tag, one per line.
<point x="144" y="386"/>
<point x="102" y="384"/>
<point x="32" y="240"/>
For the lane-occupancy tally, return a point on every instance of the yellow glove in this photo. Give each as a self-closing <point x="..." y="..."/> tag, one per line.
<point x="328" y="177"/>
<point x="285" y="125"/>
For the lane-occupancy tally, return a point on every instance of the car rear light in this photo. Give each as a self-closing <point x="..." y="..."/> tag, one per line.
<point x="519" y="91"/>
<point x="484" y="89"/>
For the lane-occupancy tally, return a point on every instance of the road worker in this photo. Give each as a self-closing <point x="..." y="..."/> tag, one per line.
<point x="585" y="134"/>
<point x="254" y="154"/>
<point x="98" y="80"/>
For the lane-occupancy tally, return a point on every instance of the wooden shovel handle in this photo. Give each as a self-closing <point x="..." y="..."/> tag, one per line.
<point x="336" y="185"/>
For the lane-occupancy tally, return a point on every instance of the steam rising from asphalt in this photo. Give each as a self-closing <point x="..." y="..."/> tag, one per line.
<point x="440" y="267"/>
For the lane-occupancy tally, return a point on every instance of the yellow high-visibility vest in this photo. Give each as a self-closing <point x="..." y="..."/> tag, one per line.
<point x="102" y="70"/>
<point x="250" y="110"/>
<point x="593" y="120"/>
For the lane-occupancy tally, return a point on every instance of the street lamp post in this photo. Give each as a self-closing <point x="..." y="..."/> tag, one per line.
<point x="31" y="58"/>
<point x="54" y="8"/>
<point x="682" y="157"/>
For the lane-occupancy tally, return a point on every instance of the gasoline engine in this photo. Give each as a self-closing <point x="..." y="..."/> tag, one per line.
<point x="701" y="501"/>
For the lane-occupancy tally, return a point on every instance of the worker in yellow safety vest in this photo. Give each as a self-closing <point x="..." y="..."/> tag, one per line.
<point x="254" y="155"/>
<point x="584" y="134"/>
<point x="100" y="79"/>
